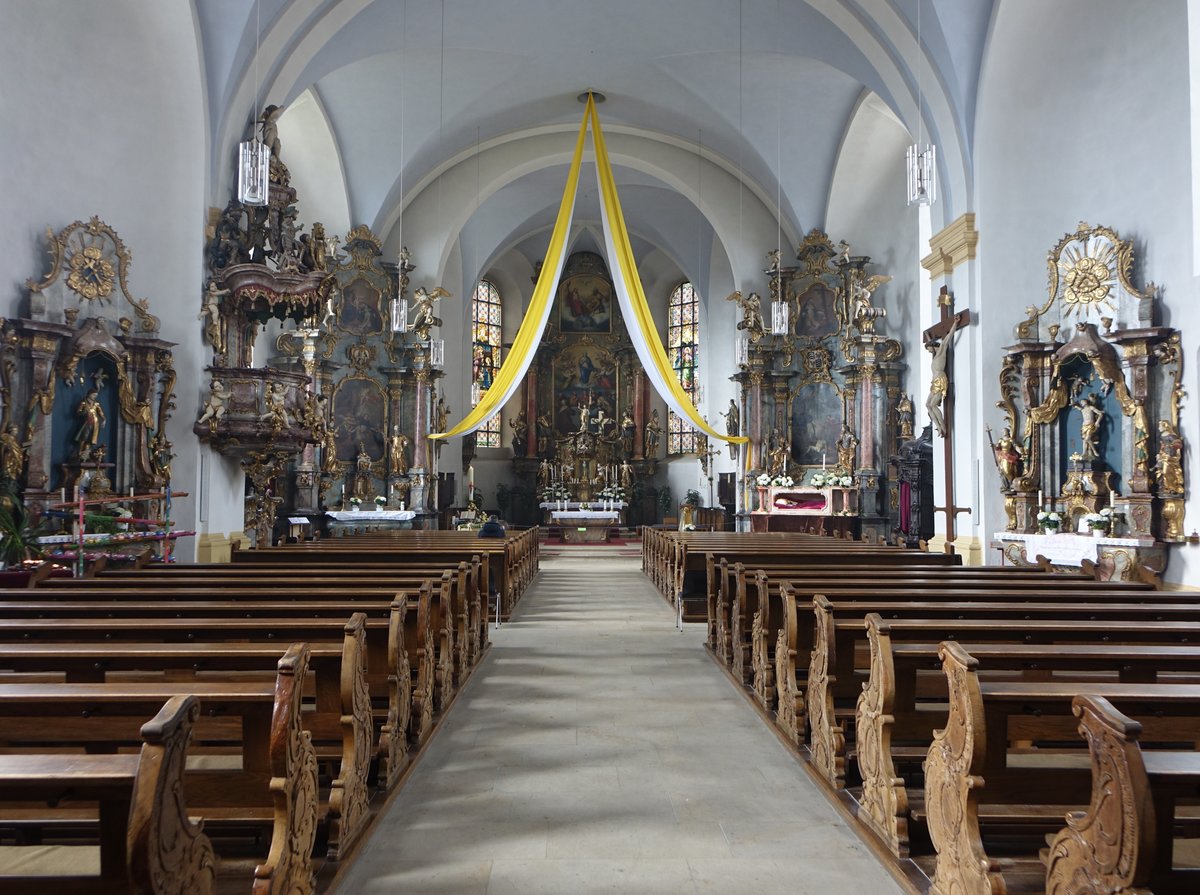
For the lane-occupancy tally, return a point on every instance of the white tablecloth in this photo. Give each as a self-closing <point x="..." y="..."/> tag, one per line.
<point x="585" y="516"/>
<point x="574" y="505"/>
<point x="1068" y="549"/>
<point x="372" y="515"/>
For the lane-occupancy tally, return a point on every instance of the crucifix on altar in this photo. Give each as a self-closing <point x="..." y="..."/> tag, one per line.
<point x="939" y="341"/>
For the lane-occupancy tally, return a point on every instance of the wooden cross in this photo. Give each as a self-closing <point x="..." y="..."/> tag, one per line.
<point x="940" y="330"/>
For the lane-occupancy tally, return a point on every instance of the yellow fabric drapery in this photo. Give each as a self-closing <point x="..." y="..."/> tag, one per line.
<point x="629" y="290"/>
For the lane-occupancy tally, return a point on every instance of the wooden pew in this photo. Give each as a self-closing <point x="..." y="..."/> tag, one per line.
<point x="147" y="843"/>
<point x="967" y="767"/>
<point x="1121" y="842"/>
<point x="278" y="779"/>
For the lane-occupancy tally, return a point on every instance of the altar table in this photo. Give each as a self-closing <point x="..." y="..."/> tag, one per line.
<point x="357" y="521"/>
<point x="1117" y="558"/>
<point x="585" y="526"/>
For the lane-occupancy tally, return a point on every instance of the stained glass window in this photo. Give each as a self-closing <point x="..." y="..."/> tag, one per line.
<point x="683" y="347"/>
<point x="485" y="355"/>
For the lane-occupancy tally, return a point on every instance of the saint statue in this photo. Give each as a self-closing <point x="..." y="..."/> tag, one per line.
<point x="424" y="318"/>
<point x="847" y="449"/>
<point x="12" y="453"/>
<point x="628" y="428"/>
<point x="329" y="460"/>
<point x="441" y="415"/>
<point x="651" y="436"/>
<point x="627" y="477"/>
<point x="210" y="313"/>
<point x="777" y="455"/>
<point x="92" y="420"/>
<point x="1008" y="458"/>
<point x="397" y="445"/>
<point x="543" y="476"/>
<point x="1169" y="465"/>
<point x="733" y="425"/>
<point x="520" y="439"/>
<point x="362" y="474"/>
<point x="752" y="320"/>
<point x="545" y="432"/>
<point x="904" y="417"/>
<point x="1091" y="419"/>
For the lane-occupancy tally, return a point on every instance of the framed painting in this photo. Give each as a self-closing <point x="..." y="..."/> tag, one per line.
<point x="816" y="424"/>
<point x="360" y="414"/>
<point x="585" y="304"/>
<point x="816" y="311"/>
<point x="584" y="378"/>
<point x="361" y="311"/>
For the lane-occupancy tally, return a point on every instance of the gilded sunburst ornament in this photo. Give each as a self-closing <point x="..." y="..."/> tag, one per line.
<point x="91" y="275"/>
<point x="1087" y="282"/>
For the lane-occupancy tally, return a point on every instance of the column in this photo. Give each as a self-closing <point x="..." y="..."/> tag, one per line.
<point x="531" y="412"/>
<point x="639" y="413"/>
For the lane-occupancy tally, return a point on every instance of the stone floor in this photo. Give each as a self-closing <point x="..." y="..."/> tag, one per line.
<point x="597" y="749"/>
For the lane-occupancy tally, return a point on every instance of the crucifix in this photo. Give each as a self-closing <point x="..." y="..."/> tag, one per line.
<point x="939" y="340"/>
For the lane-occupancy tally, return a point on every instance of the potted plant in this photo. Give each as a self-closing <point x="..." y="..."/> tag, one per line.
<point x="18" y="538"/>
<point x="380" y="501"/>
<point x="664" y="501"/>
<point x="1049" y="521"/>
<point x="355" y="503"/>
<point x="1099" y="523"/>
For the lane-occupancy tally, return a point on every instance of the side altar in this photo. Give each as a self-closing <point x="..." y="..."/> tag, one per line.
<point x="1091" y="392"/>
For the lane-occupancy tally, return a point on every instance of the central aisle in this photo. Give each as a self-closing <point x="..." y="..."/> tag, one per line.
<point x="597" y="749"/>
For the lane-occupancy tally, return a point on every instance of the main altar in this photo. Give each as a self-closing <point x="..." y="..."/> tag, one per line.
<point x="1091" y="392"/>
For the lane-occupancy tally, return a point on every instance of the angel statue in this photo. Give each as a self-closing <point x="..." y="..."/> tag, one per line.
<point x="864" y="313"/>
<point x="210" y="313"/>
<point x="424" y="318"/>
<point x="752" y="321"/>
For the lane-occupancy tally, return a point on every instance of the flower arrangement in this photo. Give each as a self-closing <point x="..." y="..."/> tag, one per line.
<point x="783" y="481"/>
<point x="555" y="492"/>
<point x="380" y="501"/>
<point x="763" y="480"/>
<point x="355" y="501"/>
<point x="830" y="480"/>
<point x="612" y="492"/>
<point x="1099" y="521"/>
<point x="1049" y="520"/>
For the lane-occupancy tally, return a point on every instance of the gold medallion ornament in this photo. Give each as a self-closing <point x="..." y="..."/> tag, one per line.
<point x="1087" y="282"/>
<point x="91" y="275"/>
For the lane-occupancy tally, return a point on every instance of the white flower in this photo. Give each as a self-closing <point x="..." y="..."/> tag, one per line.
<point x="763" y="480"/>
<point x="846" y="481"/>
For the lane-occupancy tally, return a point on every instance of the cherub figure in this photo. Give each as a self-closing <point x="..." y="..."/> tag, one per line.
<point x="752" y="320"/>
<point x="276" y="401"/>
<point x="215" y="405"/>
<point x="210" y="312"/>
<point x="424" y="319"/>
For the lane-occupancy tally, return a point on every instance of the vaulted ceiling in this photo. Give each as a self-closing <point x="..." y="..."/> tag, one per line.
<point x="767" y="88"/>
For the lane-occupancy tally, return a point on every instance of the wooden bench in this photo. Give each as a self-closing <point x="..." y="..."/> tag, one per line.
<point x="967" y="767"/>
<point x="147" y="843"/>
<point x="1120" y="843"/>
<point x="277" y="781"/>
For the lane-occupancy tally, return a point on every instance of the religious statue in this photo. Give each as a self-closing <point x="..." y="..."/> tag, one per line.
<point x="362" y="474"/>
<point x="227" y="246"/>
<point x="276" y="402"/>
<point x="652" y="433"/>
<point x="1169" y="465"/>
<point x="545" y="432"/>
<point x="847" y="449"/>
<point x="441" y="415"/>
<point x="627" y="477"/>
<point x="211" y="313"/>
<point x="92" y="420"/>
<point x="865" y="314"/>
<point x="904" y="417"/>
<point x="752" y="320"/>
<point x="585" y="418"/>
<point x="215" y="405"/>
<point x="397" y="444"/>
<point x="1091" y="419"/>
<point x="1008" y="458"/>
<point x="777" y="455"/>
<point x="733" y="425"/>
<point x="329" y="460"/>
<point x="12" y="453"/>
<point x="270" y="129"/>
<point x="543" y="475"/>
<point x="939" y="385"/>
<point x="161" y="455"/>
<point x="520" y="439"/>
<point x="628" y="428"/>
<point x="424" y="318"/>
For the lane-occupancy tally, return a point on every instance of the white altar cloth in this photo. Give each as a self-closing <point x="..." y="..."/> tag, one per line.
<point x="585" y="515"/>
<point x="1068" y="549"/>
<point x="371" y="515"/>
<point x="575" y="504"/>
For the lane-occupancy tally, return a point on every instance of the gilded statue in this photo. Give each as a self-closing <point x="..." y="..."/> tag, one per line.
<point x="628" y="428"/>
<point x="752" y="320"/>
<point x="1169" y="462"/>
<point x="362" y="474"/>
<point x="12" y="453"/>
<point x="329" y="461"/>
<point x="441" y="415"/>
<point x="1007" y="454"/>
<point x="397" y="445"/>
<point x="904" y="416"/>
<point x="545" y="432"/>
<point x="423" y="318"/>
<point x="652" y="433"/>
<point x="1091" y="419"/>
<point x="543" y="474"/>
<point x="215" y="405"/>
<point x="864" y="314"/>
<point x="276" y="401"/>
<point x="777" y="455"/>
<point x="939" y="385"/>
<point x="847" y="449"/>
<point x="627" y="477"/>
<point x="733" y="425"/>
<point x="91" y="421"/>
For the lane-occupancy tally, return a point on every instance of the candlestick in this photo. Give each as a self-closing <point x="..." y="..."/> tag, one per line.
<point x="63" y="496"/>
<point x="1112" y="500"/>
<point x="1039" y="497"/>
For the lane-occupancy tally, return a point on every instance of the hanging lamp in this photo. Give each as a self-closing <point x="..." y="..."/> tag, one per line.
<point x="254" y="156"/>
<point x="921" y="160"/>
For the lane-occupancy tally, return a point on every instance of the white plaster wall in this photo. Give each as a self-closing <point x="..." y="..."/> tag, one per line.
<point x="1083" y="114"/>
<point x="102" y="114"/>
<point x="310" y="151"/>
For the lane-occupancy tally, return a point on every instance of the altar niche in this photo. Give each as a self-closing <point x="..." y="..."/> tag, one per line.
<point x="1091" y="394"/>
<point x="824" y="398"/>
<point x="584" y="433"/>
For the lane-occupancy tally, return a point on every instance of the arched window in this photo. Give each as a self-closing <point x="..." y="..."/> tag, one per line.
<point x="683" y="347"/>
<point x="485" y="355"/>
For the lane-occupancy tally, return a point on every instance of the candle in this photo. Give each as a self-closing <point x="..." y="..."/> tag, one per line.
<point x="1039" y="497"/>
<point x="1112" y="500"/>
<point x="822" y="463"/>
<point x="471" y="476"/>
<point x="63" y="496"/>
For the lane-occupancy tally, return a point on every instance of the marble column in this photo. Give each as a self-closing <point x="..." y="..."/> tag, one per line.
<point x="531" y="413"/>
<point x="639" y="413"/>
